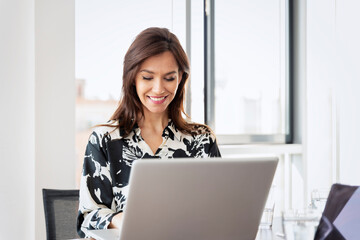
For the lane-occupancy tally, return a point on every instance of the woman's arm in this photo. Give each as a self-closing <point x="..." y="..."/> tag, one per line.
<point x="116" y="221"/>
<point x="96" y="202"/>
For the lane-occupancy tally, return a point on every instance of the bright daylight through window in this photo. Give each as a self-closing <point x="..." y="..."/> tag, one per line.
<point x="246" y="71"/>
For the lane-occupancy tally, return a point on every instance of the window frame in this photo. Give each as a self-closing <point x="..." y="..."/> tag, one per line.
<point x="209" y="82"/>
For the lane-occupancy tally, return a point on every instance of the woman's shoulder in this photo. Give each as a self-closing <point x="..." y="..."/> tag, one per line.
<point x="105" y="132"/>
<point x="201" y="128"/>
<point x="202" y="131"/>
<point x="202" y="141"/>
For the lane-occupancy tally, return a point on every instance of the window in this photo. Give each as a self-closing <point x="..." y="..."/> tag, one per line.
<point x="246" y="82"/>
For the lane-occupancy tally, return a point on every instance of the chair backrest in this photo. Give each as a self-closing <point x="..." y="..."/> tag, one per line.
<point x="61" y="208"/>
<point x="336" y="223"/>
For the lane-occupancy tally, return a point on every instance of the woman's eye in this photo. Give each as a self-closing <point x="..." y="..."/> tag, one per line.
<point x="169" y="79"/>
<point x="147" y="78"/>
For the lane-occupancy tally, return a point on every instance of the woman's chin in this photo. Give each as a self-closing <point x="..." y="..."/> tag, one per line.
<point x="156" y="110"/>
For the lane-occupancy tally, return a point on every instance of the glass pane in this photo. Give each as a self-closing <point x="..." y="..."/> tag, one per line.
<point x="250" y="67"/>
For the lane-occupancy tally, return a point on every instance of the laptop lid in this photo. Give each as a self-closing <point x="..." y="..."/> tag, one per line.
<point x="197" y="199"/>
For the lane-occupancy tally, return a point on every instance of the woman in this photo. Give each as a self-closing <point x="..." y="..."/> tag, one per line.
<point x="147" y="124"/>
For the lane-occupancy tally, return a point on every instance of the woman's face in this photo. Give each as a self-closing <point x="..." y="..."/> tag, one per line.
<point x="157" y="82"/>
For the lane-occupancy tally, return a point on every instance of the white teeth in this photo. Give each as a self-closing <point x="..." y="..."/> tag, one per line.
<point x="156" y="99"/>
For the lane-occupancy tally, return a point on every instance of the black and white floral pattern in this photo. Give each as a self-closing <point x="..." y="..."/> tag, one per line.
<point x="107" y="165"/>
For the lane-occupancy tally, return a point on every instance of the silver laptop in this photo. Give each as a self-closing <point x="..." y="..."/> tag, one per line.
<point x="195" y="199"/>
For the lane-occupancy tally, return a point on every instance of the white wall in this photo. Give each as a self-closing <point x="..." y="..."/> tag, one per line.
<point x="37" y="110"/>
<point x="348" y="87"/>
<point x="320" y="48"/>
<point x="17" y="178"/>
<point x="332" y="90"/>
<point x="54" y="99"/>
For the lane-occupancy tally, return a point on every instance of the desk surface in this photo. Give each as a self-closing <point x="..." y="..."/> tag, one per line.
<point x="263" y="234"/>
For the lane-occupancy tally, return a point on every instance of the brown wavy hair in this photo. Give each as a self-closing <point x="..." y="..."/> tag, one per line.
<point x="151" y="42"/>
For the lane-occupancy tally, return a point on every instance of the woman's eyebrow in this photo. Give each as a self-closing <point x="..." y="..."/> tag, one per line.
<point x="148" y="71"/>
<point x="170" y="72"/>
<point x="151" y="72"/>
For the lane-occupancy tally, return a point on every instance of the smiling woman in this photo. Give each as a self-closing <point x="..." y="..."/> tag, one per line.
<point x="148" y="123"/>
<point x="156" y="86"/>
<point x="157" y="83"/>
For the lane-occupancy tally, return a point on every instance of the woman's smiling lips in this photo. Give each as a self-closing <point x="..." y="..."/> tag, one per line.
<point x="157" y="100"/>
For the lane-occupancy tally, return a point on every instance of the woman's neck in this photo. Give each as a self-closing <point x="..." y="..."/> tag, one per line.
<point x="154" y="121"/>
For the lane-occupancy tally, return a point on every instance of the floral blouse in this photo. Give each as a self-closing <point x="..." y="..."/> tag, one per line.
<point x="107" y="165"/>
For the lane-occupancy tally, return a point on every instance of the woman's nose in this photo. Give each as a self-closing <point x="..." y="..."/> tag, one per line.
<point x="158" y="86"/>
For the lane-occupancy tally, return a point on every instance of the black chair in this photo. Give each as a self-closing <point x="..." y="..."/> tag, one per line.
<point x="61" y="208"/>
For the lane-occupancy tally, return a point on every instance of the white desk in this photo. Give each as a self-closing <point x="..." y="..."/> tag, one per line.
<point x="263" y="234"/>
